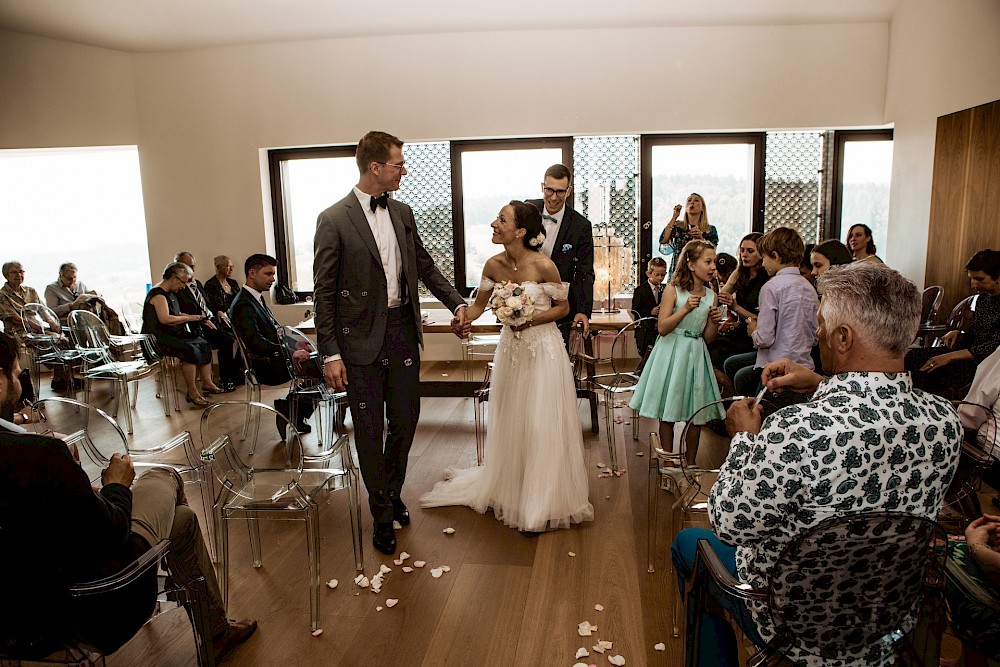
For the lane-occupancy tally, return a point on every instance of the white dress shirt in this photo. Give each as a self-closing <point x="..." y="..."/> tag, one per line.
<point x="388" y="246"/>
<point x="551" y="229"/>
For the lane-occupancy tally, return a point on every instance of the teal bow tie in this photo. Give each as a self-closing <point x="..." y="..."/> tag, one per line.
<point x="546" y="216"/>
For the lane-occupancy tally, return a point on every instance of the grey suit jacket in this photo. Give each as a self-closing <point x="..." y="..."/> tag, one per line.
<point x="350" y="284"/>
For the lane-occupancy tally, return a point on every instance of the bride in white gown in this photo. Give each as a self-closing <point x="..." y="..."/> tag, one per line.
<point x="533" y="476"/>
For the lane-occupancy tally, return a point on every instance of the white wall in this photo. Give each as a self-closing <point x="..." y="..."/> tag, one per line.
<point x="943" y="57"/>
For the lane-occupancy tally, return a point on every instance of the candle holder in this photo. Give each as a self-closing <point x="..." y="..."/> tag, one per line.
<point x="612" y="267"/>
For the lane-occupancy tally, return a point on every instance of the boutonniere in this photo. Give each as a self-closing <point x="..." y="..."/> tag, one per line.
<point x="567" y="247"/>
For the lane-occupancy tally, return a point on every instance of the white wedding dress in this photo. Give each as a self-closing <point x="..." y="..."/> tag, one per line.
<point x="533" y="476"/>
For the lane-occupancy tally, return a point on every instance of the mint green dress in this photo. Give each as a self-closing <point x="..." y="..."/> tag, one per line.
<point x="678" y="378"/>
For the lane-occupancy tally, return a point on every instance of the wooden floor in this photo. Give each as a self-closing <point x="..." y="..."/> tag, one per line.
<point x="507" y="600"/>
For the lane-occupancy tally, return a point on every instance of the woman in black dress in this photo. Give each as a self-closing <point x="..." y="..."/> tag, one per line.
<point x="740" y="295"/>
<point x="162" y="318"/>
<point x="220" y="290"/>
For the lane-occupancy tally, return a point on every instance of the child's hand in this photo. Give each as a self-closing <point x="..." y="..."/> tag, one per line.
<point x="692" y="303"/>
<point x="751" y="325"/>
<point x="714" y="315"/>
<point x="726" y="299"/>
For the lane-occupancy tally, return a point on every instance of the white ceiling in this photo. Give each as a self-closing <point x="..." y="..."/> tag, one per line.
<point x="169" y="25"/>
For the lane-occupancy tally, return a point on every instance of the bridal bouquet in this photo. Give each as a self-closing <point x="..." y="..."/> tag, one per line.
<point x="511" y="304"/>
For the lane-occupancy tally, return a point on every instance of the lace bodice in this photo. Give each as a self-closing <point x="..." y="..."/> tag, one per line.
<point x="543" y="293"/>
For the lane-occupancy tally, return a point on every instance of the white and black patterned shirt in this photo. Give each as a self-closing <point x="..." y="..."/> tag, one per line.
<point x="865" y="442"/>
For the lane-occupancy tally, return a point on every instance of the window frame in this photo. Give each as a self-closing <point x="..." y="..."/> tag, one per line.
<point x="457" y="148"/>
<point x="646" y="144"/>
<point x="276" y="159"/>
<point x="840" y="137"/>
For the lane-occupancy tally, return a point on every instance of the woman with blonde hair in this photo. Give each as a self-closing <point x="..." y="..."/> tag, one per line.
<point x="693" y="226"/>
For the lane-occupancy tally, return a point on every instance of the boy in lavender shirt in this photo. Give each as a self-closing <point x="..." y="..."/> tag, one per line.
<point x="785" y="326"/>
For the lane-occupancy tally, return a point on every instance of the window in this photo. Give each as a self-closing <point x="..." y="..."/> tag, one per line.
<point x="725" y="169"/>
<point x="309" y="181"/>
<point x="80" y="205"/>
<point x="863" y="162"/>
<point x="486" y="175"/>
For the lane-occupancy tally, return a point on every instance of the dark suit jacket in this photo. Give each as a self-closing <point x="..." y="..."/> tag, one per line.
<point x="189" y="306"/>
<point x="350" y="284"/>
<point x="573" y="255"/>
<point x="643" y="302"/>
<point x="54" y="532"/>
<point x="267" y="352"/>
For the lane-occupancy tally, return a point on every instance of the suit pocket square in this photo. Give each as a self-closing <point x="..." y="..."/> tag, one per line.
<point x="567" y="247"/>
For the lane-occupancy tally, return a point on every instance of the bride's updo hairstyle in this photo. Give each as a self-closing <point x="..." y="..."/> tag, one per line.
<point x="529" y="218"/>
<point x="683" y="276"/>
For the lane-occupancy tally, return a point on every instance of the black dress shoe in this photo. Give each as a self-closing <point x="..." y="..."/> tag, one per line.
<point x="384" y="539"/>
<point x="228" y="387"/>
<point x="304" y="428"/>
<point x="400" y="513"/>
<point x="235" y="634"/>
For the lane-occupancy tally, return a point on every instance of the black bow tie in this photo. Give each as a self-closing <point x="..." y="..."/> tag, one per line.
<point x="382" y="200"/>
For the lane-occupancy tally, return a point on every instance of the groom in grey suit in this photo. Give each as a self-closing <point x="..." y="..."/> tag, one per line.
<point x="368" y="257"/>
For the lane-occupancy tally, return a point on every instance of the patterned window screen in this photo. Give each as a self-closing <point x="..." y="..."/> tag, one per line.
<point x="792" y="170"/>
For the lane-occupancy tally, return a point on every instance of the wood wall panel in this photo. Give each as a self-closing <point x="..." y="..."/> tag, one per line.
<point x="965" y="198"/>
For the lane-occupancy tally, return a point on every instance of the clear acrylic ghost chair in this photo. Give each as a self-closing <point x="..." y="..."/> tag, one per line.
<point x="307" y="381"/>
<point x="97" y="437"/>
<point x="47" y="344"/>
<point x="617" y="385"/>
<point x="268" y="480"/>
<point x="99" y="362"/>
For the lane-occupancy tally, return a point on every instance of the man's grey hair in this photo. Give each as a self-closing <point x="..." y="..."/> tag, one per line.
<point x="67" y="266"/>
<point x="876" y="301"/>
<point x="179" y="257"/>
<point x="7" y="266"/>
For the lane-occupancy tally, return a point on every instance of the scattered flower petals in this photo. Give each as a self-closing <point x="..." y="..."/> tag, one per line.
<point x="384" y="569"/>
<point x="445" y="568"/>
<point x="607" y="497"/>
<point x="407" y="569"/>
<point x="378" y="608"/>
<point x="619" y="420"/>
<point x="332" y="583"/>
<point x="616" y="660"/>
<point x="397" y="525"/>
<point x="391" y="602"/>
<point x="419" y="563"/>
<point x="582" y="652"/>
<point x="639" y="454"/>
<point x="362" y="581"/>
<point x="598" y="648"/>
<point x="404" y="556"/>
<point x="317" y="632"/>
<point x="376" y="589"/>
<point x="660" y="647"/>
<point x="585" y="629"/>
<point x="437" y="572"/>
<point x="581" y="664"/>
<point x="606" y="645"/>
<point x="448" y="531"/>
<point x="598" y="607"/>
<point x="397" y="561"/>
<point x="600" y="464"/>
<point x="571" y="554"/>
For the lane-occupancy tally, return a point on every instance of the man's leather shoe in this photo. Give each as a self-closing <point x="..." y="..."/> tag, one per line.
<point x="304" y="428"/>
<point x="236" y="633"/>
<point x="384" y="539"/>
<point x="400" y="513"/>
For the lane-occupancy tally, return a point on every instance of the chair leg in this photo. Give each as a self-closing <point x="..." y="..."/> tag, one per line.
<point x="652" y="506"/>
<point x="223" y="532"/>
<point x="206" y="485"/>
<point x="313" y="555"/>
<point x="609" y="420"/>
<point x="254" y="529"/>
<point x="354" y="509"/>
<point x="122" y="391"/>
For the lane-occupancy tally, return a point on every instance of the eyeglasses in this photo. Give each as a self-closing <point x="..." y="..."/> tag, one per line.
<point x="401" y="166"/>
<point x="552" y="191"/>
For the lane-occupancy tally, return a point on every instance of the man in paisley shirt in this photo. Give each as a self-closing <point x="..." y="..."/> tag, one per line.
<point x="865" y="441"/>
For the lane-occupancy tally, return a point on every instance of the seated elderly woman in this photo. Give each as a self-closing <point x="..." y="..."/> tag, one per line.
<point x="162" y="317"/>
<point x="67" y="294"/>
<point x="949" y="370"/>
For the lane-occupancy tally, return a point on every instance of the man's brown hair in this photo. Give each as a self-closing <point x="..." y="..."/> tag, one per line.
<point x="374" y="147"/>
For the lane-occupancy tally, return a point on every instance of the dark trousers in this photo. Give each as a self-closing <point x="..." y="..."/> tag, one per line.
<point x="386" y="389"/>
<point x="230" y="369"/>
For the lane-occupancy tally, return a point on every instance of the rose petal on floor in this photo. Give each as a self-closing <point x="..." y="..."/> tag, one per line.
<point x="660" y="647"/>
<point x="600" y="464"/>
<point x="332" y="583"/>
<point x="437" y="572"/>
<point x="616" y="660"/>
<point x="585" y="629"/>
<point x="397" y="561"/>
<point x="581" y="664"/>
<point x="448" y="531"/>
<point x="571" y="554"/>
<point x="582" y="652"/>
<point x="598" y="648"/>
<point x="362" y="581"/>
<point x="445" y="568"/>
<point x="384" y="569"/>
<point x="419" y="563"/>
<point x="378" y="608"/>
<point x="391" y="602"/>
<point x="407" y="569"/>
<point x="317" y="632"/>
<point x="598" y="607"/>
<point x="606" y="645"/>
<point x="397" y="525"/>
<point x="404" y="556"/>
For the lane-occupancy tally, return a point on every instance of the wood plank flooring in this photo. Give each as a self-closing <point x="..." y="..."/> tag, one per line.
<point x="509" y="599"/>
